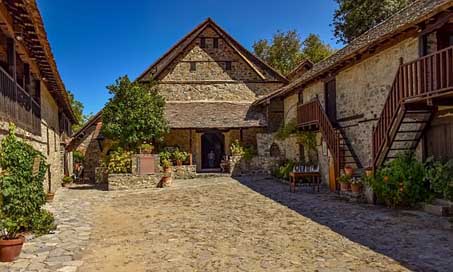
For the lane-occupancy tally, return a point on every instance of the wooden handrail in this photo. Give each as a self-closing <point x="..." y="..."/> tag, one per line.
<point x="313" y="113"/>
<point x="420" y="78"/>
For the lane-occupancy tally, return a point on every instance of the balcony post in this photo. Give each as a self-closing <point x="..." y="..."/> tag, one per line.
<point x="11" y="55"/>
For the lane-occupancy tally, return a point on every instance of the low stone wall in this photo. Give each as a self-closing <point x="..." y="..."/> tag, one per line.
<point x="258" y="165"/>
<point x="184" y="171"/>
<point x="130" y="182"/>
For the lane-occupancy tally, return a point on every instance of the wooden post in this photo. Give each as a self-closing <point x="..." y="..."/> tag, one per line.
<point x="190" y="147"/>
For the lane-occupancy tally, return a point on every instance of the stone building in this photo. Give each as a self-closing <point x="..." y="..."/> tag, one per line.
<point x="32" y="94"/>
<point x="388" y="91"/>
<point x="209" y="82"/>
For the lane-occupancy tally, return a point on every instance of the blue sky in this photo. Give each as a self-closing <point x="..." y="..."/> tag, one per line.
<point x="96" y="41"/>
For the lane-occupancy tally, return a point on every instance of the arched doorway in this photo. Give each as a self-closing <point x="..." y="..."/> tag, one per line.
<point x="212" y="150"/>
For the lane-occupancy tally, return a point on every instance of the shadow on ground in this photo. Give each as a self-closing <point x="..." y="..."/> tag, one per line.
<point x="417" y="240"/>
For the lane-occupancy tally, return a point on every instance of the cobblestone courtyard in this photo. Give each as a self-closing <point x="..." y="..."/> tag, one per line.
<point x="221" y="224"/>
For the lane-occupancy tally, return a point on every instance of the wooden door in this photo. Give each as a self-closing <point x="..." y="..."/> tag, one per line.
<point x="439" y="139"/>
<point x="331" y="100"/>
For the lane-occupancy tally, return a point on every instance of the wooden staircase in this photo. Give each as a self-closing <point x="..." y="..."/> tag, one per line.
<point x="418" y="88"/>
<point x="311" y="116"/>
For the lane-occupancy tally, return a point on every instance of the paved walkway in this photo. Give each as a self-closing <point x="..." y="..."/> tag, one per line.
<point x="220" y="224"/>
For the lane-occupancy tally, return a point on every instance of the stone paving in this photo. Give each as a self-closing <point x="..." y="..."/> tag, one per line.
<point x="220" y="224"/>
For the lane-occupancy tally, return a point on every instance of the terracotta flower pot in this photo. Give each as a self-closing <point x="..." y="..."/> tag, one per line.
<point x="167" y="169"/>
<point x="344" y="186"/>
<point x="356" y="188"/>
<point x="10" y="249"/>
<point x="348" y="171"/>
<point x="49" y="197"/>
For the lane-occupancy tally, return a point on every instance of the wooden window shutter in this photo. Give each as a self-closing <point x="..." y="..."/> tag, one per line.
<point x="216" y="43"/>
<point x="203" y="42"/>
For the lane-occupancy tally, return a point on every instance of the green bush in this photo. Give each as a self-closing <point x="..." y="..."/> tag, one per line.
<point x="165" y="155"/>
<point x="236" y="148"/>
<point x="43" y="223"/>
<point x="22" y="192"/>
<point x="284" y="170"/>
<point x="401" y="183"/>
<point x="179" y="155"/>
<point x="67" y="179"/>
<point x="440" y="177"/>
<point x="78" y="156"/>
<point x="119" y="161"/>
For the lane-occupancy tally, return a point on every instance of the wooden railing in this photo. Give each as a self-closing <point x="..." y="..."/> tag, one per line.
<point x="17" y="106"/>
<point x="422" y="78"/>
<point x="313" y="113"/>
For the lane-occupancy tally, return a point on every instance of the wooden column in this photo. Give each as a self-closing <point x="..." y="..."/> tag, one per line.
<point x="190" y="147"/>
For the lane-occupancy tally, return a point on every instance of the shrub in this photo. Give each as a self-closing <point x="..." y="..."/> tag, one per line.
<point x="22" y="191"/>
<point x="67" y="179"/>
<point x="284" y="170"/>
<point x="179" y="155"/>
<point x="401" y="182"/>
<point x="440" y="177"/>
<point x="344" y="179"/>
<point x="78" y="156"/>
<point x="118" y="161"/>
<point x="236" y="148"/>
<point x="43" y="223"/>
<point x="165" y="156"/>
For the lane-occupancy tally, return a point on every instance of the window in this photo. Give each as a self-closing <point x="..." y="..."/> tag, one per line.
<point x="227" y="65"/>
<point x="203" y="42"/>
<point x="193" y="66"/>
<point x="215" y="43"/>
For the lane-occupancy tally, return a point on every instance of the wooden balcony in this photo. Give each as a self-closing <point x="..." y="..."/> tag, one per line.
<point x="18" y="106"/>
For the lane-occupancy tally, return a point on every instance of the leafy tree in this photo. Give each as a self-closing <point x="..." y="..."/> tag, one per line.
<point x="354" y="17"/>
<point x="314" y="49"/>
<point x="134" y="115"/>
<point x="287" y="50"/>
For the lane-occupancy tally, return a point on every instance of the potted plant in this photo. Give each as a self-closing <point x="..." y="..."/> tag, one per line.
<point x="344" y="181"/>
<point x="180" y="156"/>
<point x="10" y="242"/>
<point x="348" y="171"/>
<point x="66" y="181"/>
<point x="356" y="185"/>
<point x="146" y="148"/>
<point x="166" y="178"/>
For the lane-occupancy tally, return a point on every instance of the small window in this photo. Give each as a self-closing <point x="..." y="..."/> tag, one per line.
<point x="228" y="65"/>
<point x="193" y="66"/>
<point x="215" y="43"/>
<point x="203" y="42"/>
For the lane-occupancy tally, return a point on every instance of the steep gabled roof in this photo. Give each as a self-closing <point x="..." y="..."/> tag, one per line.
<point x="305" y="64"/>
<point x="402" y="21"/>
<point x="254" y="62"/>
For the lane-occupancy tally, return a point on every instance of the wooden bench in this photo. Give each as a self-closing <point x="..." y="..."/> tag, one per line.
<point x="308" y="178"/>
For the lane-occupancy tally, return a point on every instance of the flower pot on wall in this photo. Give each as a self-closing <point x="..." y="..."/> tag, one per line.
<point x="344" y="186"/>
<point x="348" y="171"/>
<point x="10" y="249"/>
<point x="356" y="188"/>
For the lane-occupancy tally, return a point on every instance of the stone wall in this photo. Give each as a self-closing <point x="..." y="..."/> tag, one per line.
<point x="258" y="165"/>
<point x="48" y="143"/>
<point x="132" y="182"/>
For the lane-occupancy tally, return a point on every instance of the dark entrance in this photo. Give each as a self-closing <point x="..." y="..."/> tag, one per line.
<point x="212" y="150"/>
<point x="331" y="101"/>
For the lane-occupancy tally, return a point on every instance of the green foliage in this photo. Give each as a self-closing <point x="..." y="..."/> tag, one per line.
<point x="440" y="177"/>
<point x="287" y="50"/>
<point x="134" y="115"/>
<point x="249" y="153"/>
<point x="344" y="179"/>
<point x="166" y="163"/>
<point x="354" y="17"/>
<point x="286" y="130"/>
<point x="146" y="148"/>
<point x="77" y="156"/>
<point x="77" y="108"/>
<point x="236" y="148"/>
<point x="9" y="227"/>
<point x="67" y="179"/>
<point x="118" y="161"/>
<point x="22" y="193"/>
<point x="401" y="183"/>
<point x="305" y="138"/>
<point x="165" y="155"/>
<point x="314" y="49"/>
<point x="179" y="155"/>
<point x="283" y="170"/>
<point x="43" y="223"/>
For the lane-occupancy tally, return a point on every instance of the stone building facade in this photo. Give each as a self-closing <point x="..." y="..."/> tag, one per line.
<point x="360" y="78"/>
<point x="209" y="82"/>
<point x="32" y="95"/>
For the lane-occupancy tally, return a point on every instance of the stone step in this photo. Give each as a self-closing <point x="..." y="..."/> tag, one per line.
<point x="439" y="210"/>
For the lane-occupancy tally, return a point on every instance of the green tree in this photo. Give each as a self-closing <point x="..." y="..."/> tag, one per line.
<point x="314" y="49"/>
<point x="287" y="50"/>
<point x="134" y="115"/>
<point x="77" y="108"/>
<point x="354" y="17"/>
